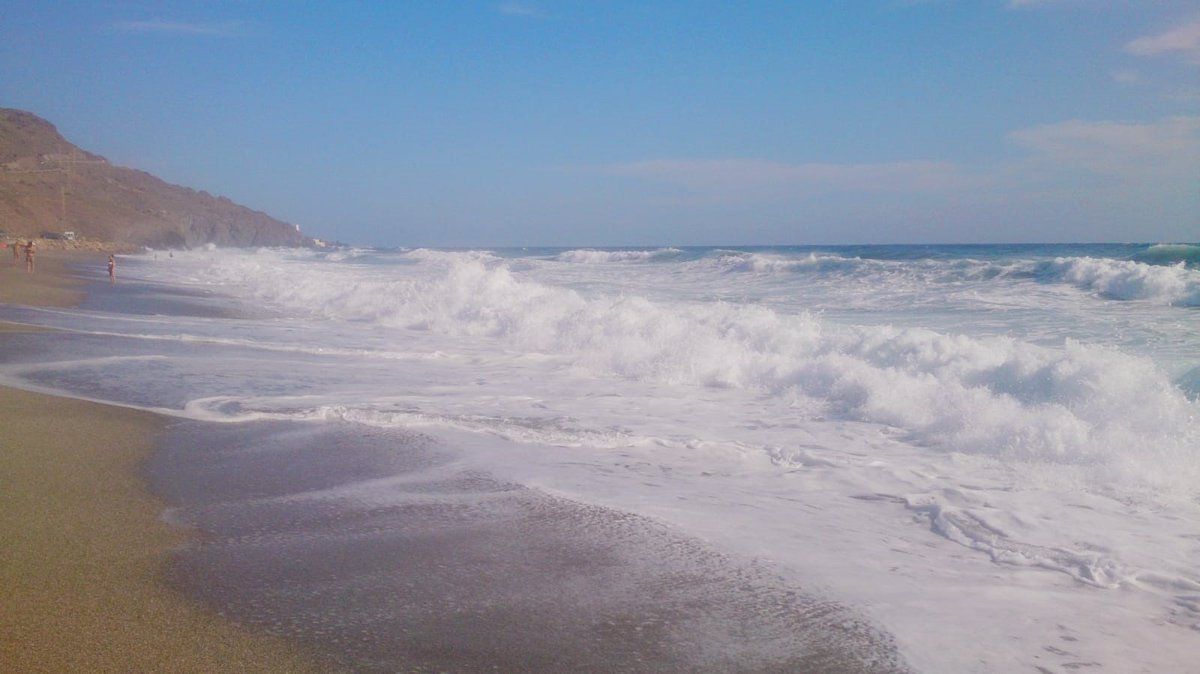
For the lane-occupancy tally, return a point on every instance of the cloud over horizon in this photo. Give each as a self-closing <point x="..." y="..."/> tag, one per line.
<point x="743" y="179"/>
<point x="1069" y="162"/>
<point x="1168" y="145"/>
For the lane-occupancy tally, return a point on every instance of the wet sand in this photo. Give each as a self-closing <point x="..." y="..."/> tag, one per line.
<point x="84" y="548"/>
<point x="371" y="546"/>
<point x="360" y="548"/>
<point x="82" y="560"/>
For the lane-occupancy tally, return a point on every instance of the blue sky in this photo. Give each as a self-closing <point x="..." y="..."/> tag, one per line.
<point x="641" y="123"/>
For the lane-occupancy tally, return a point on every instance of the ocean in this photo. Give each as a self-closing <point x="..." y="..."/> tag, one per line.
<point x="991" y="452"/>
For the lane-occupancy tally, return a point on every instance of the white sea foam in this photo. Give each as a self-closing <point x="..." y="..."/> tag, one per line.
<point x="1023" y="427"/>
<point x="736" y="261"/>
<point x="1076" y="404"/>
<point x="1128" y="280"/>
<point x="346" y="254"/>
<point x="434" y="255"/>
<point x="969" y="527"/>
<point x="1168" y="284"/>
<point x="592" y="256"/>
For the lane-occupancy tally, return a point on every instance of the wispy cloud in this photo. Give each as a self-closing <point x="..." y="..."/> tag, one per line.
<point x="756" y="179"/>
<point x="162" y="26"/>
<point x="1171" y="145"/>
<point x="1074" y="152"/>
<point x="1183" y="40"/>
<point x="519" y="9"/>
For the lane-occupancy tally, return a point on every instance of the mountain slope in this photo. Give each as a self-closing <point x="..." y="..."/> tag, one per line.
<point x="47" y="185"/>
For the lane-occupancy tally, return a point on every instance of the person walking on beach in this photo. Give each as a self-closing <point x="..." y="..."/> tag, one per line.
<point x="112" y="269"/>
<point x="29" y="255"/>
<point x="16" y="243"/>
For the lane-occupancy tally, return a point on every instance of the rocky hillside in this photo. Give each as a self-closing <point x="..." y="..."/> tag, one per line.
<point x="48" y="186"/>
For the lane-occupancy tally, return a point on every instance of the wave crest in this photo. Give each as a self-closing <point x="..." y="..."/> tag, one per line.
<point x="1127" y="279"/>
<point x="1174" y="284"/>
<point x="764" y="263"/>
<point x="1170" y="253"/>
<point x="1078" y="404"/>
<point x="593" y="256"/>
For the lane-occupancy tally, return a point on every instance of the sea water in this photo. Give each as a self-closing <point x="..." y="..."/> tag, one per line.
<point x="991" y="451"/>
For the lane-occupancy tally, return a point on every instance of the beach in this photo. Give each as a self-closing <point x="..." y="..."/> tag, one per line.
<point x="85" y="547"/>
<point x="276" y="559"/>
<point x="844" y="460"/>
<point x="49" y="286"/>
<point x="385" y="555"/>
<point x="523" y="337"/>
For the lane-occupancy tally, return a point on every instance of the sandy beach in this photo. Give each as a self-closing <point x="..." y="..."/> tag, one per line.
<point x="421" y="461"/>
<point x="50" y="285"/>
<point x="275" y="561"/>
<point x="627" y="338"/>
<point x="85" y="547"/>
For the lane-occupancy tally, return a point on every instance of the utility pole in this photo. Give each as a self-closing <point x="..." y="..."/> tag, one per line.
<point x="68" y="176"/>
<point x="62" y="188"/>
<point x="66" y="168"/>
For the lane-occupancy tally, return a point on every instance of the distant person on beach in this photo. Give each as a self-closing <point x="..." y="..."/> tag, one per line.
<point x="16" y="243"/>
<point x="112" y="269"/>
<point x="29" y="254"/>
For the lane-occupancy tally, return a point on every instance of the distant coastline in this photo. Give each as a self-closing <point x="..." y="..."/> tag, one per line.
<point x="51" y="188"/>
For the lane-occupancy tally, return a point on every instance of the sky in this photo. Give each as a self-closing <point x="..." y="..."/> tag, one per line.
<point x="530" y="123"/>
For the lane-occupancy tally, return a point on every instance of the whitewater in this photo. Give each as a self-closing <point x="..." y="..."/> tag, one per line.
<point x="992" y="452"/>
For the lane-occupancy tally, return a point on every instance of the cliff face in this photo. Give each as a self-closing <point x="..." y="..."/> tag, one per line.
<point x="47" y="185"/>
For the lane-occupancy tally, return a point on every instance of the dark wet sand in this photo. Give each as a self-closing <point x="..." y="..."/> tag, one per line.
<point x="368" y="549"/>
<point x="82" y="551"/>
<point x="82" y="546"/>
<point x="371" y="547"/>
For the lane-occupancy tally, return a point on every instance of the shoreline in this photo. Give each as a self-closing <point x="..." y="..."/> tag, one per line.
<point x="439" y="569"/>
<point x="389" y="555"/>
<point x="86" y="548"/>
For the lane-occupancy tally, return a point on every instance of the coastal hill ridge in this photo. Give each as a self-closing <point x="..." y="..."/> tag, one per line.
<point x="49" y="186"/>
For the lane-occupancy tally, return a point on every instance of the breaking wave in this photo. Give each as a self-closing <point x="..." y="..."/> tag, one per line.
<point x="1170" y="253"/>
<point x="813" y="262"/>
<point x="1169" y="284"/>
<point x="1127" y="280"/>
<point x="1082" y="405"/>
<point x="592" y="256"/>
<point x="832" y="265"/>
